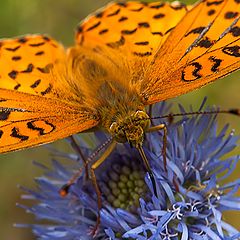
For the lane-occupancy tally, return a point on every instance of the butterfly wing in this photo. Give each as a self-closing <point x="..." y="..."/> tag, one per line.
<point x="203" y="47"/>
<point x="37" y="102"/>
<point x="132" y="31"/>
<point x="27" y="120"/>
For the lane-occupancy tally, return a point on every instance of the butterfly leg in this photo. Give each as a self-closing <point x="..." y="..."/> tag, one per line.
<point x="76" y="147"/>
<point x="93" y="167"/>
<point x="164" y="148"/>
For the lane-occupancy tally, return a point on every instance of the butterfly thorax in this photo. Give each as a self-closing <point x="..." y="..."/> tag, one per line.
<point x="131" y="128"/>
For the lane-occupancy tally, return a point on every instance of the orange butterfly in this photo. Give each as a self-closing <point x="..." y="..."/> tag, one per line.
<point x="127" y="56"/>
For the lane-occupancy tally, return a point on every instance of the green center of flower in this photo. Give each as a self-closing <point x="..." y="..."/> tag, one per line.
<point x="126" y="188"/>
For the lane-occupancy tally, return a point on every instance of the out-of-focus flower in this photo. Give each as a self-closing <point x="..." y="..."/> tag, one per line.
<point x="190" y="199"/>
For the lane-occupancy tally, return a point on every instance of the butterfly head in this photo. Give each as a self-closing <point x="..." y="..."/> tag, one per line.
<point x="130" y="129"/>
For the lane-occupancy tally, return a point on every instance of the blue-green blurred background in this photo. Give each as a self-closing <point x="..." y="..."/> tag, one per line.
<point x="59" y="18"/>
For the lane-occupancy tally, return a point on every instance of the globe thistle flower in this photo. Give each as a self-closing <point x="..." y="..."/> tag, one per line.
<point x="188" y="201"/>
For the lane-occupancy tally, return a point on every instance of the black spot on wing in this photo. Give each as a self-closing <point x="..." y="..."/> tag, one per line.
<point x="48" y="90"/>
<point x="92" y="27"/>
<point x="14" y="49"/>
<point x="17" y="86"/>
<point x="1" y="133"/>
<point x="33" y="126"/>
<point x="137" y="9"/>
<point x="22" y="40"/>
<point x="197" y="30"/>
<point x="99" y="14"/>
<point x="217" y="62"/>
<point x="4" y="115"/>
<point x="13" y="74"/>
<point x="211" y="12"/>
<point x="114" y="13"/>
<point x="142" y="43"/>
<point x="214" y="3"/>
<point x="40" y="53"/>
<point x="232" y="51"/>
<point x="205" y="43"/>
<point x="129" y="32"/>
<point x="142" y="54"/>
<point x="36" y="44"/>
<point x="159" y="16"/>
<point x="122" y="19"/>
<point x="235" y="31"/>
<point x="15" y="134"/>
<point x="29" y="69"/>
<point x="16" y="58"/>
<point x="157" y="6"/>
<point x="117" y="44"/>
<point x="103" y="31"/>
<point x="230" y="15"/>
<point x="144" y="24"/>
<point x="36" y="83"/>
<point x="157" y="33"/>
<point x="197" y="67"/>
<point x="45" y="69"/>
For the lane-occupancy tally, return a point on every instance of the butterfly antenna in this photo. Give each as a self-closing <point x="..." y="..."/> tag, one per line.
<point x="147" y="165"/>
<point x="233" y="111"/>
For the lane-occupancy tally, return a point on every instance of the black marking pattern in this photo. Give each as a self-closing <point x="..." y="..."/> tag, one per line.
<point x="36" y="83"/>
<point x="215" y="3"/>
<point x="103" y="31"/>
<point x="117" y="44"/>
<point x="114" y="13"/>
<point x="12" y="49"/>
<point x="211" y="12"/>
<point x="16" y="58"/>
<point x="48" y="90"/>
<point x="1" y="133"/>
<point x="122" y="19"/>
<point x="17" y="86"/>
<point x="235" y="31"/>
<point x="4" y="115"/>
<point x="129" y="32"/>
<point x="195" y="72"/>
<point x="45" y="69"/>
<point x="39" y="53"/>
<point x="159" y="16"/>
<point x="142" y="43"/>
<point x="232" y="51"/>
<point x="144" y="54"/>
<point x="217" y="62"/>
<point x="36" y="44"/>
<point x="231" y="15"/>
<point x="28" y="69"/>
<point x="15" y="134"/>
<point x="32" y="125"/>
<point x="13" y="74"/>
<point x="92" y="27"/>
<point x="205" y="43"/>
<point x="144" y="24"/>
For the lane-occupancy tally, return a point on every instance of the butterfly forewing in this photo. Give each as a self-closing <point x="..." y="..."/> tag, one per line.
<point x="134" y="30"/>
<point x="203" y="47"/>
<point x="38" y="104"/>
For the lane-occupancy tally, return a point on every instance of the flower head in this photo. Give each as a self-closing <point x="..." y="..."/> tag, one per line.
<point x="188" y="201"/>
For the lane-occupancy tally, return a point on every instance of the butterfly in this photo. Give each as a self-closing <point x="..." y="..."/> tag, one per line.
<point x="127" y="56"/>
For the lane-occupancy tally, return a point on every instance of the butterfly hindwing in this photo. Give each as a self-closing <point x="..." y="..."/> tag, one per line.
<point x="27" y="120"/>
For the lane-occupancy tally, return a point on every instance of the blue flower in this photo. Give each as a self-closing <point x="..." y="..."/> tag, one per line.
<point x="192" y="190"/>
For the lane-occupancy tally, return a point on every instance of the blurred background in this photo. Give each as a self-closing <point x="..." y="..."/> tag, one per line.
<point x="59" y="19"/>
